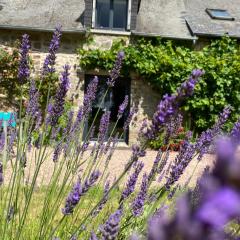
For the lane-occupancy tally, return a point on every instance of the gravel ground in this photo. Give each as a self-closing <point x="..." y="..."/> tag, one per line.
<point x="116" y="166"/>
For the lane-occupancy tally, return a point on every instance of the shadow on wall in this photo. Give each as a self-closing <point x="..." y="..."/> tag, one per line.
<point x="144" y="97"/>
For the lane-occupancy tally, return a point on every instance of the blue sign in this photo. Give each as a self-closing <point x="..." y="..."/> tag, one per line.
<point x="8" y="118"/>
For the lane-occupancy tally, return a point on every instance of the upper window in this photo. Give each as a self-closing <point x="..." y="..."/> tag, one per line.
<point x="219" y="14"/>
<point x="111" y="14"/>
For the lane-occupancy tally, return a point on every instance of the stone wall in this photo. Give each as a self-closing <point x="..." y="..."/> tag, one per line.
<point x="142" y="94"/>
<point x="145" y="99"/>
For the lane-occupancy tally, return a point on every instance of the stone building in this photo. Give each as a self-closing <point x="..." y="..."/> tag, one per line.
<point x="193" y="21"/>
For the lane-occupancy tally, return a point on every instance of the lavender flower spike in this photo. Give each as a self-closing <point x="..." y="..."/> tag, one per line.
<point x="130" y="186"/>
<point x="33" y="105"/>
<point x="78" y="191"/>
<point x="170" y="103"/>
<point x="122" y="107"/>
<point x="111" y="227"/>
<point x="73" y="199"/>
<point x="116" y="69"/>
<point x="90" y="96"/>
<point x="93" y="236"/>
<point x="103" y="128"/>
<point x="138" y="203"/>
<point x="24" y="70"/>
<point x="235" y="133"/>
<point x="49" y="62"/>
<point x="1" y="174"/>
<point x="56" y="109"/>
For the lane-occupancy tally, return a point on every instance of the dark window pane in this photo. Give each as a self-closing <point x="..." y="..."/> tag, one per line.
<point x="103" y="13"/>
<point x="112" y="101"/>
<point x="120" y="13"/>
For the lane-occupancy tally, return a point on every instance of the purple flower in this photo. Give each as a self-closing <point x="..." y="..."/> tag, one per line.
<point x="33" y="104"/>
<point x="24" y="70"/>
<point x="129" y="118"/>
<point x="110" y="229"/>
<point x="154" y="168"/>
<point x="227" y="167"/>
<point x="122" y="107"/>
<point x="139" y="201"/>
<point x="170" y="104"/>
<point x="78" y="191"/>
<point x="103" y="128"/>
<point x="56" y="109"/>
<point x="137" y="151"/>
<point x="57" y="151"/>
<point x="2" y="141"/>
<point x="1" y="174"/>
<point x="205" y="140"/>
<point x="93" y="236"/>
<point x="90" y="96"/>
<point x="220" y="208"/>
<point x="131" y="183"/>
<point x="235" y="133"/>
<point x="172" y="127"/>
<point x="180" y="163"/>
<point x="114" y="74"/>
<point x="91" y="181"/>
<point x="73" y="199"/>
<point x="49" y="62"/>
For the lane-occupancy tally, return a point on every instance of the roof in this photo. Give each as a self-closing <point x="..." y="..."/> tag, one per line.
<point x="163" y="18"/>
<point x="200" y="23"/>
<point x="187" y="18"/>
<point x="180" y="19"/>
<point x="42" y="14"/>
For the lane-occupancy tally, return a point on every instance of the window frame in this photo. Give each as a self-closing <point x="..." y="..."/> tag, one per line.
<point x="111" y="28"/>
<point x="209" y="12"/>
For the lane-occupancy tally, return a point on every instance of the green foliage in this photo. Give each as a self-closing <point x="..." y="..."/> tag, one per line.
<point x="8" y="72"/>
<point x="9" y="84"/>
<point x="166" y="65"/>
<point x="47" y="86"/>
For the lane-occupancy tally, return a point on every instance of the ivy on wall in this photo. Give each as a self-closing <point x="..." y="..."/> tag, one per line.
<point x="166" y="65"/>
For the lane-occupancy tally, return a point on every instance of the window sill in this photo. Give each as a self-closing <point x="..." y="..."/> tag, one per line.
<point x="120" y="145"/>
<point x="110" y="32"/>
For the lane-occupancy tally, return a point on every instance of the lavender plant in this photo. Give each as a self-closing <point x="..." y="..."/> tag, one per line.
<point x="53" y="188"/>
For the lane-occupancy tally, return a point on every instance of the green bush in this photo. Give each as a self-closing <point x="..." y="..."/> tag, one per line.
<point x="8" y="72"/>
<point x="166" y="65"/>
<point x="9" y="82"/>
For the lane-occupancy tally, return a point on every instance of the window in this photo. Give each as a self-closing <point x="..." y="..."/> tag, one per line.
<point x="112" y="101"/>
<point x="219" y="14"/>
<point x="111" y="14"/>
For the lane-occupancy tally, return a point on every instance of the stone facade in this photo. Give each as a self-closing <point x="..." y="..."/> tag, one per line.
<point x="142" y="95"/>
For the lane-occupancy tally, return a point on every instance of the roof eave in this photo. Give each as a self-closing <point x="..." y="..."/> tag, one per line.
<point x="211" y="35"/>
<point x="36" y="29"/>
<point x="143" y="34"/>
